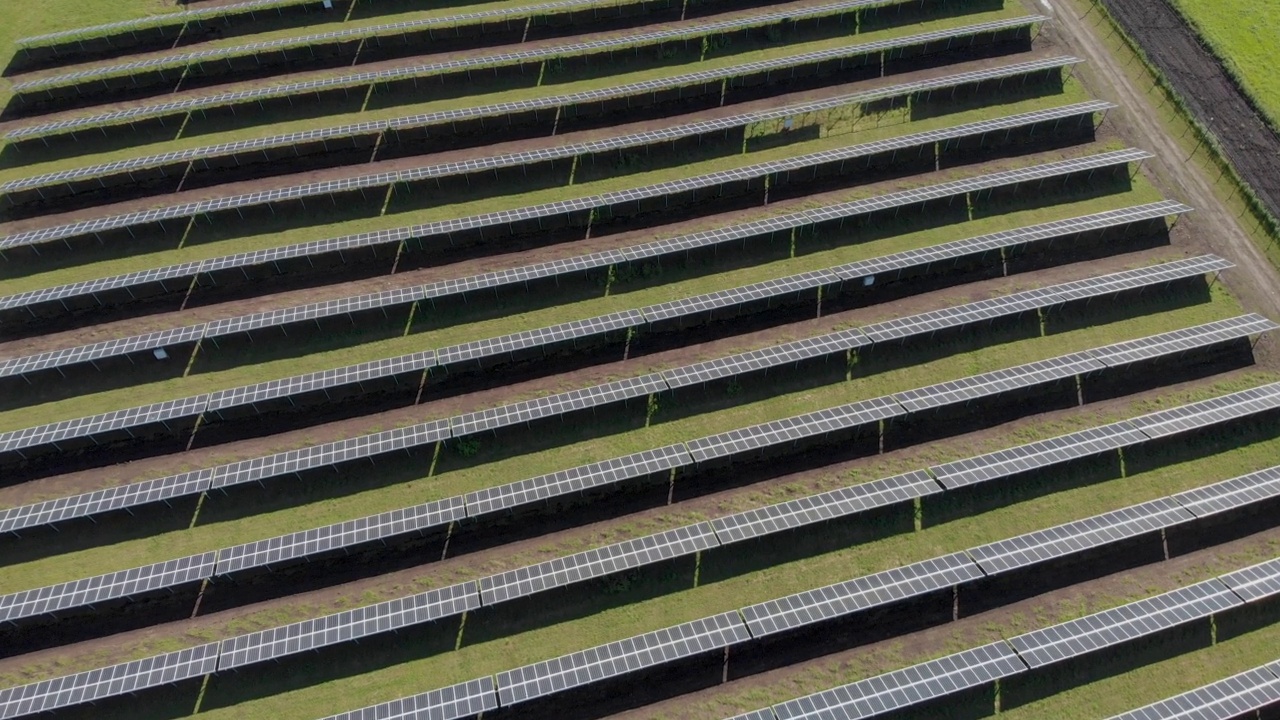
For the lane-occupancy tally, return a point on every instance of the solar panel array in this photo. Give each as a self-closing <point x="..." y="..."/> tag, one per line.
<point x="370" y="31"/>
<point x="376" y="180"/>
<point x="428" y="120"/>
<point x="1085" y="443"/>
<point x="228" y="98"/>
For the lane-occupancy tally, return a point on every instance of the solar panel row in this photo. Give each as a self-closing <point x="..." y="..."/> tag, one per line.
<point x="659" y="248"/>
<point x="1238" y="696"/>
<point x="896" y="690"/>
<point x="517" y="159"/>
<point x="357" y="79"/>
<point x="289" y="462"/>
<point x="1015" y="554"/>
<point x="449" y="117"/>
<point x="177" y="17"/>
<point x="1037" y="648"/>
<point x="301" y="41"/>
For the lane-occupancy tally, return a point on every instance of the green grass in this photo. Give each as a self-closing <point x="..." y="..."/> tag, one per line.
<point x="1243" y="35"/>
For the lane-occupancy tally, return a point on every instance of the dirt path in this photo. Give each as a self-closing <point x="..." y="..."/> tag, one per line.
<point x="1254" y="280"/>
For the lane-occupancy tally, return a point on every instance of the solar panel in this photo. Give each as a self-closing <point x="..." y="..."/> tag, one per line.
<point x="451" y="703"/>
<point x="181" y="16"/>
<point x="330" y="187"/>
<point x="199" y="103"/>
<point x="765" y="358"/>
<point x="320" y="380"/>
<point x="997" y="382"/>
<point x="428" y="120"/>
<point x="357" y="448"/>
<point x="597" y="562"/>
<point x="111" y="586"/>
<point x="122" y="679"/>
<point x="313" y="542"/>
<point x="574" y="480"/>
<point x="619" y="658"/>
<point x="1122" y="624"/>
<point x="736" y="296"/>
<point x="1184" y="340"/>
<point x="859" y="594"/>
<point x="1210" y="412"/>
<point x="54" y="433"/>
<point x="491" y="347"/>
<point x="793" y="428"/>
<point x="959" y="315"/>
<point x="1141" y="277"/>
<point x="100" y="350"/>
<point x="1233" y="697"/>
<point x="824" y="506"/>
<point x="763" y="714"/>
<point x="907" y="687"/>
<point x="1231" y="494"/>
<point x="1063" y="540"/>
<point x="559" y="404"/>
<point x="347" y="626"/>
<point x="368" y="32"/>
<point x="1256" y="582"/>
<point x="1037" y="455"/>
<point x="88" y="504"/>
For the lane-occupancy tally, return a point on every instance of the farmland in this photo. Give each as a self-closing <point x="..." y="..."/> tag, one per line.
<point x="618" y="358"/>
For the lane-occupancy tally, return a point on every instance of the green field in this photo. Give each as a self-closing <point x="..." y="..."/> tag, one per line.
<point x="1243" y="35"/>
<point x="638" y="603"/>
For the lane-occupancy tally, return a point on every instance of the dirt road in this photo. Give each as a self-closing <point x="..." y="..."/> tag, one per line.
<point x="1254" y="280"/>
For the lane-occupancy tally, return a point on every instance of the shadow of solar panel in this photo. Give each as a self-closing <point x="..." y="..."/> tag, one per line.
<point x="1234" y="697"/>
<point x="1032" y="456"/>
<point x="1210" y="412"/>
<point x="859" y="594"/>
<point x="1122" y="624"/>
<point x="87" y="592"/>
<point x="427" y="120"/>
<point x="574" y="480"/>
<point x="347" y="626"/>
<point x="119" y="679"/>
<point x="451" y="703"/>
<point x="1074" y="537"/>
<point x="97" y="502"/>
<point x="357" y="448"/>
<point x="794" y="428"/>
<point x="907" y="687"/>
<point x="62" y="126"/>
<point x="1256" y="582"/>
<point x="311" y="544"/>
<point x="824" y="506"/>
<point x="1232" y="494"/>
<point x="559" y="404"/>
<point x="620" y="658"/>
<point x="597" y="562"/>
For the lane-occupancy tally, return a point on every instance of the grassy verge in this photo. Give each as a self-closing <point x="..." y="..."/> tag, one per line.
<point x="498" y="463"/>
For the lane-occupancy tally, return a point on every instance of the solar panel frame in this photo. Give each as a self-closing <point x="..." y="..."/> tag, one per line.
<point x="619" y="658"/>
<point x="121" y="679"/>
<point x="1118" y="625"/>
